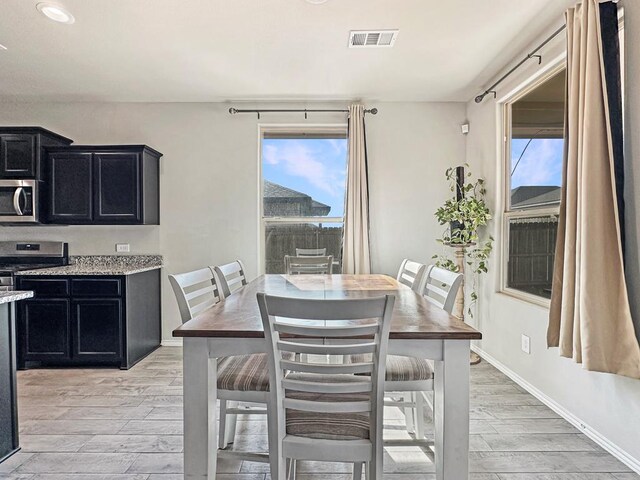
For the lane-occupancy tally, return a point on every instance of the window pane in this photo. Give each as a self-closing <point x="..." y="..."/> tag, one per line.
<point x="537" y="146"/>
<point x="532" y="244"/>
<point x="304" y="177"/>
<point x="283" y="238"/>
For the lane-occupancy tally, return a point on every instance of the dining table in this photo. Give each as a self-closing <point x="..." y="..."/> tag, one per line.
<point x="419" y="328"/>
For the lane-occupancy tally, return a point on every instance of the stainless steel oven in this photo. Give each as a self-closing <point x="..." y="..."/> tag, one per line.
<point x="19" y="201"/>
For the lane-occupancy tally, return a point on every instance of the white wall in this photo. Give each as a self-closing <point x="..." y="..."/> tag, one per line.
<point x="209" y="179"/>
<point x="609" y="404"/>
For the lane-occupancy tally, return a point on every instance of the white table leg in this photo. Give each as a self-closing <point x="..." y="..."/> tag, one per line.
<point x="451" y="398"/>
<point x="200" y="432"/>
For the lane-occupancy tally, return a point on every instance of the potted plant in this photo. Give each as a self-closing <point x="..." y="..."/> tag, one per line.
<point x="464" y="216"/>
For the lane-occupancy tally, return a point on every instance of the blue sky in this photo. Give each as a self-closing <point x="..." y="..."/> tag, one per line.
<point x="541" y="163"/>
<point x="317" y="167"/>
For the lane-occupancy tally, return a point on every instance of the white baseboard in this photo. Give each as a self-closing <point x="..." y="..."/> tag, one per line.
<point x="171" y="342"/>
<point x="597" y="437"/>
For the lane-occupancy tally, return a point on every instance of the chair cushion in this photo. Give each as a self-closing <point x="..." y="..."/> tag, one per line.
<point x="332" y="426"/>
<point x="402" y="369"/>
<point x="245" y="373"/>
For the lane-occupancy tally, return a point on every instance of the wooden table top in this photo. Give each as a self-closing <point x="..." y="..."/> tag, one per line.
<point x="413" y="317"/>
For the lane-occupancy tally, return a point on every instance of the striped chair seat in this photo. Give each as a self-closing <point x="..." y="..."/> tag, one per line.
<point x="331" y="426"/>
<point x="244" y="373"/>
<point x="402" y="369"/>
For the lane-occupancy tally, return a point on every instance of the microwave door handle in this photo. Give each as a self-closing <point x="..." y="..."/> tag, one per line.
<point x="16" y="201"/>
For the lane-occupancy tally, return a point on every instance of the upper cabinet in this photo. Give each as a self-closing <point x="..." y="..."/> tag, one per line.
<point x="102" y="185"/>
<point x="22" y="151"/>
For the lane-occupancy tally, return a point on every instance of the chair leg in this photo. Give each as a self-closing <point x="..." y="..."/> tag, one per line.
<point x="222" y="432"/>
<point x="419" y="418"/>
<point x="408" y="411"/>
<point x="280" y="468"/>
<point x="357" y="471"/>
<point x="291" y="465"/>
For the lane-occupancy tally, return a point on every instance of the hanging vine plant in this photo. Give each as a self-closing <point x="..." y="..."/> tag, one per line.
<point x="464" y="216"/>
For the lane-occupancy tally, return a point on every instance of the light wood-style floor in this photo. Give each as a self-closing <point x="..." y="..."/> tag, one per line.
<point x="126" y="425"/>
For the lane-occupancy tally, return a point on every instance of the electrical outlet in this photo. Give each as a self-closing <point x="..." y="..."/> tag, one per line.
<point x="526" y="344"/>
<point x="122" y="247"/>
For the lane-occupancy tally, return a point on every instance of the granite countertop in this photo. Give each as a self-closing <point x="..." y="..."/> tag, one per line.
<point x="102" y="265"/>
<point x="14" y="296"/>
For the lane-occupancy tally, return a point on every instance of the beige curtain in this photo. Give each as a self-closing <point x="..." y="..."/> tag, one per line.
<point x="590" y="319"/>
<point x="355" y="245"/>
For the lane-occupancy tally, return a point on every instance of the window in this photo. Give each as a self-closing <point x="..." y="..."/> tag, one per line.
<point x="534" y="150"/>
<point x="303" y="192"/>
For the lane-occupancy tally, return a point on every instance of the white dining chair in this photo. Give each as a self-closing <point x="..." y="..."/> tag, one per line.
<point x="415" y="375"/>
<point x="311" y="252"/>
<point x="242" y="378"/>
<point x="325" y="412"/>
<point x="412" y="274"/>
<point x="308" y="265"/>
<point x="409" y="376"/>
<point x="231" y="276"/>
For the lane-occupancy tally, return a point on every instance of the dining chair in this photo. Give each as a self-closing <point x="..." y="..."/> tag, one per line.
<point x="308" y="265"/>
<point x="231" y="276"/>
<point x="324" y="411"/>
<point x="415" y="375"/>
<point x="242" y="378"/>
<point x="311" y="252"/>
<point x="412" y="274"/>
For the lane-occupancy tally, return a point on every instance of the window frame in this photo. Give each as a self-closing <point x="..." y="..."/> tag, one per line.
<point x="293" y="128"/>
<point x="507" y="212"/>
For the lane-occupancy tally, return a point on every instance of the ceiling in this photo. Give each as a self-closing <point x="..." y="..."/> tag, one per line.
<point x="219" y="50"/>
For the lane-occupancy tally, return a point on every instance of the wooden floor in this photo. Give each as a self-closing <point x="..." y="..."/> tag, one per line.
<point x="126" y="425"/>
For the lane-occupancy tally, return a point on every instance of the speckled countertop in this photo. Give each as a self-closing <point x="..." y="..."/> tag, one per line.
<point x="102" y="265"/>
<point x="14" y="296"/>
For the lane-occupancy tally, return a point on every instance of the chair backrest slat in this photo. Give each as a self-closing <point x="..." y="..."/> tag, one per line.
<point x="318" y="265"/>
<point x="367" y="320"/>
<point x="195" y="291"/>
<point x="327" y="368"/>
<point x="311" y="252"/>
<point x="231" y="276"/>
<point x="412" y="274"/>
<point x="362" y="386"/>
<point x="312" y="349"/>
<point x="441" y="287"/>
<point x="327" y="407"/>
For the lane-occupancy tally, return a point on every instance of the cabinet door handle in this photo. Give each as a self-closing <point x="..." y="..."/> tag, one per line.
<point x="16" y="201"/>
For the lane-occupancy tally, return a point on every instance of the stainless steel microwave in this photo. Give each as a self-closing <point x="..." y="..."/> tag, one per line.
<point x="19" y="201"/>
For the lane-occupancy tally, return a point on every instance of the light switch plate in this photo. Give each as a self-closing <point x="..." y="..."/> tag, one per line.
<point x="526" y="344"/>
<point x="122" y="247"/>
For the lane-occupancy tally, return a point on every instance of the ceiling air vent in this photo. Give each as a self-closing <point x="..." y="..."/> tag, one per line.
<point x="372" y="38"/>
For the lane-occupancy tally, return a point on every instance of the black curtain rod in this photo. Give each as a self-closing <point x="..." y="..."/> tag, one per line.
<point x="233" y="111"/>
<point x="489" y="90"/>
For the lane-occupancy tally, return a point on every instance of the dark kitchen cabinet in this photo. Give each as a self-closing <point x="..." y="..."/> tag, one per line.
<point x="89" y="320"/>
<point x="9" y="440"/>
<point x="97" y="329"/>
<point x="70" y="187"/>
<point x="44" y="329"/>
<point x="115" y="185"/>
<point x="22" y="150"/>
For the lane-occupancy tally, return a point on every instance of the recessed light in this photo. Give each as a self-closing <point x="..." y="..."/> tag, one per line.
<point x="2" y="47"/>
<point x="316" y="2"/>
<point x="55" y="12"/>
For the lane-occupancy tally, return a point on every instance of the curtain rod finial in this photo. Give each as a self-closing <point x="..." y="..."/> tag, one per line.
<point x="233" y="111"/>
<point x="374" y="111"/>
<point x="479" y="98"/>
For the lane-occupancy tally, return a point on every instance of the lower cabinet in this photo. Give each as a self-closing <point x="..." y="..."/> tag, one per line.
<point x="97" y="329"/>
<point x="44" y="331"/>
<point x="89" y="320"/>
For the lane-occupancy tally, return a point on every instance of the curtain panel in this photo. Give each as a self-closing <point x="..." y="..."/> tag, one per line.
<point x="355" y="241"/>
<point x="590" y="318"/>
